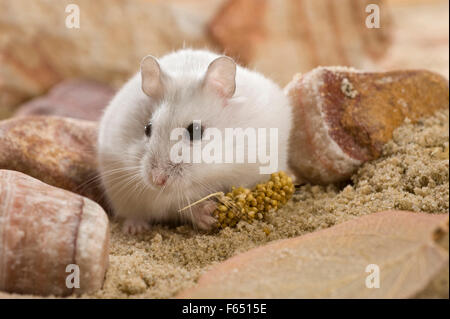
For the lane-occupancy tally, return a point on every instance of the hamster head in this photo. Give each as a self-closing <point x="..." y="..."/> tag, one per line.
<point x="186" y="107"/>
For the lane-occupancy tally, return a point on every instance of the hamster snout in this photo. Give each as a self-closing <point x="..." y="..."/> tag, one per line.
<point x="158" y="174"/>
<point x="159" y="177"/>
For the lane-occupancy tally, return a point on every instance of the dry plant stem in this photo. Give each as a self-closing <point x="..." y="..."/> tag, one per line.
<point x="201" y="200"/>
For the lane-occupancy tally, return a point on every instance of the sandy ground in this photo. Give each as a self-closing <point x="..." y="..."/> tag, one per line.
<point x="412" y="174"/>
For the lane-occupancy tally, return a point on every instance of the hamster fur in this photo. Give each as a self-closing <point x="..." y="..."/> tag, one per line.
<point x="142" y="184"/>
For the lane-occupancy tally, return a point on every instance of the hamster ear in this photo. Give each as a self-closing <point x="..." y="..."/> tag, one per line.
<point x="152" y="83"/>
<point x="221" y="76"/>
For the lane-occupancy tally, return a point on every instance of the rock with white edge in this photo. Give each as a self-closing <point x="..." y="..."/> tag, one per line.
<point x="343" y="117"/>
<point x="50" y="239"/>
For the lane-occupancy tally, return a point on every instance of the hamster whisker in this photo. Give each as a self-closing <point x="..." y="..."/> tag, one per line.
<point x="206" y="187"/>
<point x="180" y="201"/>
<point x="144" y="188"/>
<point x="121" y="175"/>
<point x="125" y="196"/>
<point x="118" y="188"/>
<point x="96" y="179"/>
<point x="191" y="213"/>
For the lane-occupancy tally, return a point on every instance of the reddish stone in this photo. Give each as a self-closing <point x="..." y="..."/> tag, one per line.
<point x="58" y="151"/>
<point x="343" y="117"/>
<point x="43" y="229"/>
<point x="80" y="99"/>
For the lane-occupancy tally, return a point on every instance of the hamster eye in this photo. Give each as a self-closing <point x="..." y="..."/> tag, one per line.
<point x="195" y="128"/>
<point x="148" y="129"/>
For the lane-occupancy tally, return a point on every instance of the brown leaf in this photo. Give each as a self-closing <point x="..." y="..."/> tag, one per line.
<point x="332" y="263"/>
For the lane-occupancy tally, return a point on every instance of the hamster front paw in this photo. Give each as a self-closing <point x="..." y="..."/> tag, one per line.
<point x="202" y="215"/>
<point x="135" y="226"/>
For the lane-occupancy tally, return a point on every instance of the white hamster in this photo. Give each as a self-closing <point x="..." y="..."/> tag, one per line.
<point x="141" y="181"/>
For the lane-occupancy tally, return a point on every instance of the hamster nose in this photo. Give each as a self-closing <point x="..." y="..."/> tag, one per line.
<point x="160" y="179"/>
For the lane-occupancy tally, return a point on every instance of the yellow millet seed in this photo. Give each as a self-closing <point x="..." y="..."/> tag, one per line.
<point x="250" y="204"/>
<point x="222" y="208"/>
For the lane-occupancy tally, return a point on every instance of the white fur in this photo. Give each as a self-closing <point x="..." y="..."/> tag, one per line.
<point x="125" y="153"/>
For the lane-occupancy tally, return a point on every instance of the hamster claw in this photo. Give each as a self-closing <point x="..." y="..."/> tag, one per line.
<point x="202" y="216"/>
<point x="135" y="226"/>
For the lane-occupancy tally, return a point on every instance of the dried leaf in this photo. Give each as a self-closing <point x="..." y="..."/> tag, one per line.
<point x="332" y="263"/>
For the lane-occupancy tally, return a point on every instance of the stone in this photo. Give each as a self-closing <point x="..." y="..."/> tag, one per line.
<point x="58" y="151"/>
<point x="43" y="230"/>
<point x="343" y="117"/>
<point x="81" y="99"/>
<point x="38" y="50"/>
<point x="278" y="37"/>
